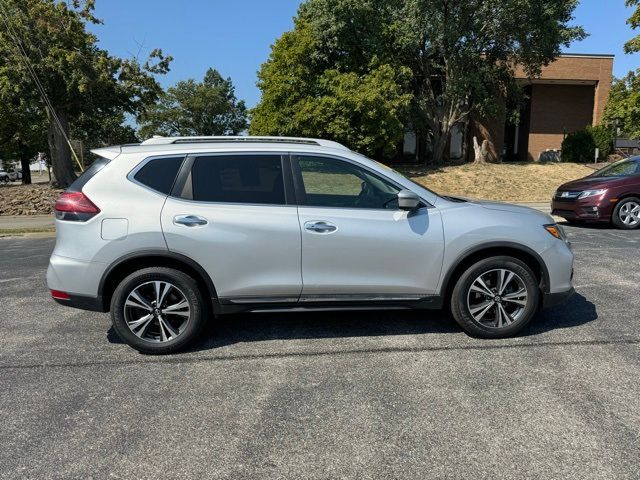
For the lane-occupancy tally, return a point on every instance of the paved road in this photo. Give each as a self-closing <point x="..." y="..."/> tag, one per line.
<point x="349" y="395"/>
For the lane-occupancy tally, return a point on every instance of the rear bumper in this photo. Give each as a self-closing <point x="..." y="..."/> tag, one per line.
<point x="555" y="299"/>
<point x="82" y="302"/>
<point x="75" y="277"/>
<point x="78" y="280"/>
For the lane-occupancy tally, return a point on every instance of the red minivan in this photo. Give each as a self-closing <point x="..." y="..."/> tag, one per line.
<point x="611" y="194"/>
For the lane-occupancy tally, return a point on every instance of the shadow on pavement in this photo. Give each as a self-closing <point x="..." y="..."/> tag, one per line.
<point x="589" y="225"/>
<point x="256" y="327"/>
<point x="577" y="311"/>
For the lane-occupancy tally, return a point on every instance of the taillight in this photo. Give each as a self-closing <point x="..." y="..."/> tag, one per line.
<point x="75" y="206"/>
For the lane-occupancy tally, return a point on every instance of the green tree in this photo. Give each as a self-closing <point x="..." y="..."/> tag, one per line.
<point x="95" y="131"/>
<point x="580" y="146"/>
<point x="48" y="40"/>
<point x="461" y="53"/>
<point x="624" y="104"/>
<point x="633" y="45"/>
<point x="22" y="132"/>
<point x="209" y="107"/>
<point x="363" y="111"/>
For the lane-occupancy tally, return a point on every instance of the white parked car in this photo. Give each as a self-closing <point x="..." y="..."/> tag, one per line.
<point x="167" y="232"/>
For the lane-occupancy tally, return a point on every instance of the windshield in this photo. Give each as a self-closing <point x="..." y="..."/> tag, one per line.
<point x="623" y="168"/>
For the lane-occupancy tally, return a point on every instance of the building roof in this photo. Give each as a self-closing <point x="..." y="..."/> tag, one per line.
<point x="588" y="55"/>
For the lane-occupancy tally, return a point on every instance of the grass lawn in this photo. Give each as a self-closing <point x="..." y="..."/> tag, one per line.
<point x="512" y="182"/>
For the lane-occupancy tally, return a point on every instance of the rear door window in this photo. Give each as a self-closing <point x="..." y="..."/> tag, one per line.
<point x="159" y="173"/>
<point x="249" y="179"/>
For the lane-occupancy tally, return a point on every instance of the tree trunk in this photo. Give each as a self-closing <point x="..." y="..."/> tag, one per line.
<point x="63" y="174"/>
<point x="440" y="143"/>
<point x="24" y="164"/>
<point x="481" y="150"/>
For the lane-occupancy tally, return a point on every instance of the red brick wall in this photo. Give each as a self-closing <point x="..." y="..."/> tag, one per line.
<point x="557" y="103"/>
<point x="558" y="108"/>
<point x="597" y="69"/>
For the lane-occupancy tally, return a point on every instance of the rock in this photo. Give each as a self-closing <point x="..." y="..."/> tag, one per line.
<point x="37" y="199"/>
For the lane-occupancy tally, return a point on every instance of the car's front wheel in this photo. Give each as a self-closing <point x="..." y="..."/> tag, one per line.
<point x="495" y="298"/>
<point x="626" y="215"/>
<point x="158" y="310"/>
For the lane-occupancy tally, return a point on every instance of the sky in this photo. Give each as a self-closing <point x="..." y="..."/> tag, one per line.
<point x="234" y="36"/>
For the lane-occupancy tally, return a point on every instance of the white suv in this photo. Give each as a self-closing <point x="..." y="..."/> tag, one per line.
<point x="173" y="231"/>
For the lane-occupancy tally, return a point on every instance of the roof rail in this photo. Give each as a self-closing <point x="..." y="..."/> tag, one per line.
<point x="157" y="140"/>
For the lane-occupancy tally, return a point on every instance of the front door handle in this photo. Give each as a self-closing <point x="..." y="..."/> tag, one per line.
<point x="320" y="227"/>
<point x="190" y="220"/>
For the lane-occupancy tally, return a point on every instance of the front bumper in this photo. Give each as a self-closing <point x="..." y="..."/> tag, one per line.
<point x="586" y="209"/>
<point x="555" y="299"/>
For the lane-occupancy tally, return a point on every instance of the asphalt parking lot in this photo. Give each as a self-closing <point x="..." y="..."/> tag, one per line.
<point x="396" y="394"/>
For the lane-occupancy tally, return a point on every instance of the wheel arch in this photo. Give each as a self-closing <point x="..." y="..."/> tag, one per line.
<point x="122" y="267"/>
<point x="621" y="197"/>
<point x="527" y="255"/>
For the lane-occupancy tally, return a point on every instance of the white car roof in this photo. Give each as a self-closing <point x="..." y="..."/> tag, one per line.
<point x="226" y="143"/>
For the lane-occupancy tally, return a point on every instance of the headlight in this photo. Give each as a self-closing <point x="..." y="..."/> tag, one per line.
<point x="593" y="193"/>
<point x="556" y="231"/>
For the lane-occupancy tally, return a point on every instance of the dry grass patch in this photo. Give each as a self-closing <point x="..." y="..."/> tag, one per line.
<point x="521" y="182"/>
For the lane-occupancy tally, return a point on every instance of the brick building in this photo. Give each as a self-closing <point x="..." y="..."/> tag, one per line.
<point x="570" y="94"/>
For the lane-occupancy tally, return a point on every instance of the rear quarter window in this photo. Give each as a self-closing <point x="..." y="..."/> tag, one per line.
<point x="88" y="174"/>
<point x="159" y="173"/>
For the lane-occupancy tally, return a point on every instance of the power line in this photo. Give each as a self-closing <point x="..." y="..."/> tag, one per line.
<point x="25" y="57"/>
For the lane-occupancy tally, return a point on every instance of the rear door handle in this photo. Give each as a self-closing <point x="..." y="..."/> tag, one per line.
<point x="189" y="220"/>
<point x="320" y="227"/>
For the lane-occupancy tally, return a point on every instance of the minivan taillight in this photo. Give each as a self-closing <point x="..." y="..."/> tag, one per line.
<point x="75" y="206"/>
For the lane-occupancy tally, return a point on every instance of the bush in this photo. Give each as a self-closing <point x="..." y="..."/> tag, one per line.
<point x="581" y="146"/>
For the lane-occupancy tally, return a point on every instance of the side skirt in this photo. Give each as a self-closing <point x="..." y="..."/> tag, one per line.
<point x="329" y="303"/>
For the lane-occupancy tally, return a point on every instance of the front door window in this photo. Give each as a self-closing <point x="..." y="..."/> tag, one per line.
<point x="328" y="182"/>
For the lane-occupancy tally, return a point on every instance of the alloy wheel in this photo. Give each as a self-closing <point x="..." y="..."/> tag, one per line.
<point x="497" y="298"/>
<point x="157" y="311"/>
<point x="629" y="214"/>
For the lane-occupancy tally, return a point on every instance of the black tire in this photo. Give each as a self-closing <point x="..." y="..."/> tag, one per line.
<point x="462" y="292"/>
<point x="616" y="218"/>
<point x="183" y="286"/>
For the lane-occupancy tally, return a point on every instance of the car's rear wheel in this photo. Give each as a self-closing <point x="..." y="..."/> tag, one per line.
<point x="158" y="310"/>
<point x="495" y="298"/>
<point x="626" y="215"/>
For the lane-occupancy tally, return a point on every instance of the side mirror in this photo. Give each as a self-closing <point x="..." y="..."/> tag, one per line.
<point x="407" y="200"/>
